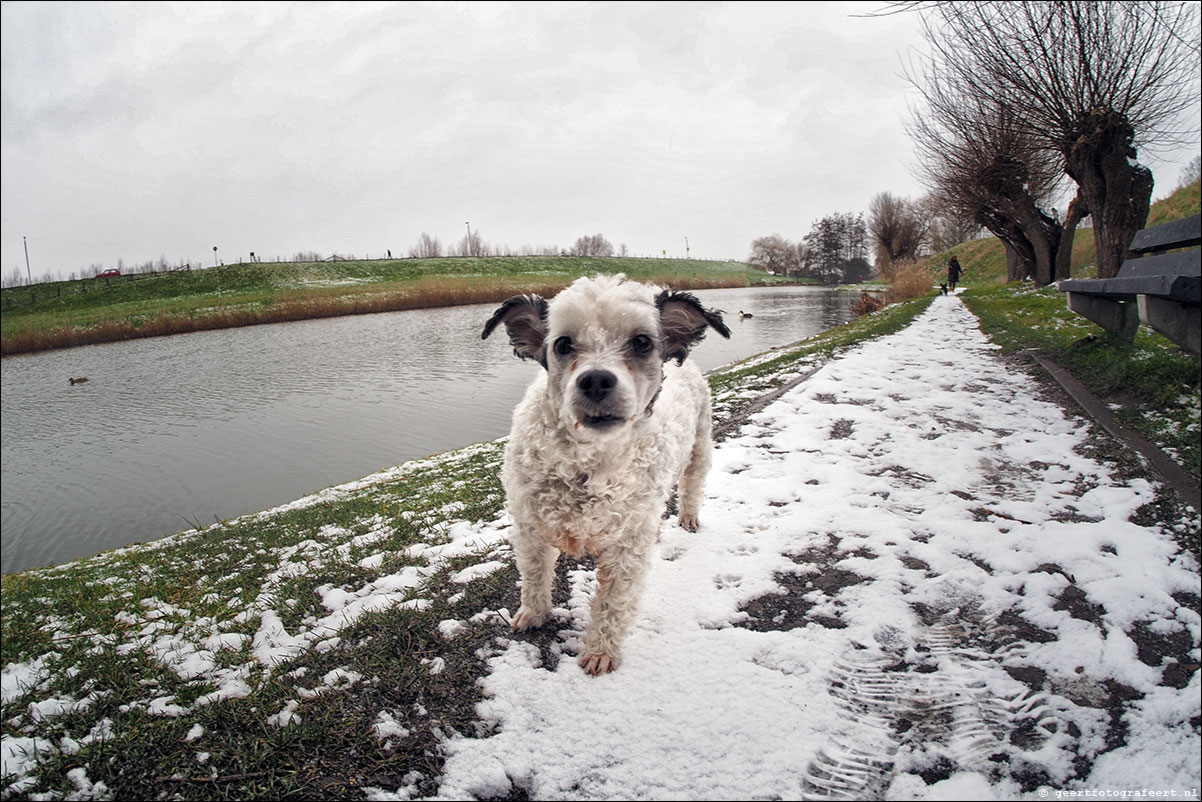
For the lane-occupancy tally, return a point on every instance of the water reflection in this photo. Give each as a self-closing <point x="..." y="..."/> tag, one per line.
<point x="178" y="431"/>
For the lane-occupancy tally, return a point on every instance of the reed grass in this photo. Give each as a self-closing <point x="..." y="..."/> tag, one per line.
<point x="911" y="279"/>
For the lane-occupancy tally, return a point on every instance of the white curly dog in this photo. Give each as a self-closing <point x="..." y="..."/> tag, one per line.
<point x="617" y="418"/>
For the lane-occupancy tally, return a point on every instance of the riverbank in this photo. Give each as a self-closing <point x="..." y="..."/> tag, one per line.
<point x="90" y="311"/>
<point x="343" y="642"/>
<point x="193" y="429"/>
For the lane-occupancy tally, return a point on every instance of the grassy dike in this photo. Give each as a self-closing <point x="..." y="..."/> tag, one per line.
<point x="70" y="313"/>
<point x="216" y="663"/>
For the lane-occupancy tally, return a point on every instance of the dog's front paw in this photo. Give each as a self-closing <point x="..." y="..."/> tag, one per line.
<point x="597" y="663"/>
<point x="526" y="619"/>
<point x="689" y="522"/>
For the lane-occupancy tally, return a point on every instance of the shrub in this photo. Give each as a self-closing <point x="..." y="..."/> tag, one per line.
<point x="867" y="304"/>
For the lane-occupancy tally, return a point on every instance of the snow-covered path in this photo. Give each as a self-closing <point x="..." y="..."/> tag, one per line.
<point x="909" y="583"/>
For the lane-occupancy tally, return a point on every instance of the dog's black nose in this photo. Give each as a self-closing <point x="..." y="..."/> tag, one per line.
<point x="596" y="384"/>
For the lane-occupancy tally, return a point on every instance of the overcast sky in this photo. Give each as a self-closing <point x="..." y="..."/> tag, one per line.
<point x="138" y="131"/>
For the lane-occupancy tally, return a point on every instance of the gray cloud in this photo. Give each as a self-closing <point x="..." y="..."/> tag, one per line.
<point x="138" y="131"/>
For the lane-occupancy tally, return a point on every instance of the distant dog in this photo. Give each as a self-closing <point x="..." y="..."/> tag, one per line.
<point x="617" y="418"/>
<point x="943" y="289"/>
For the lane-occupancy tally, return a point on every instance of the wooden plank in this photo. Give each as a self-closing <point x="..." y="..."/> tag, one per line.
<point x="1183" y="263"/>
<point x="1183" y="289"/>
<point x="1184" y="233"/>
<point x="1163" y="290"/>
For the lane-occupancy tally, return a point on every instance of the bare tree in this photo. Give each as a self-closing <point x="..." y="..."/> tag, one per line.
<point x="596" y="245"/>
<point x="949" y="226"/>
<point x="774" y="254"/>
<point x="1191" y="173"/>
<point x="897" y="229"/>
<point x="472" y="245"/>
<point x="426" y="248"/>
<point x="1089" y="81"/>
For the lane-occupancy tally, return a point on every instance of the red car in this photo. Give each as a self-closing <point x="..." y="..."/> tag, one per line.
<point x="112" y="271"/>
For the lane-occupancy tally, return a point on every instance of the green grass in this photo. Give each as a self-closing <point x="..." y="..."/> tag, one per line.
<point x="64" y="314"/>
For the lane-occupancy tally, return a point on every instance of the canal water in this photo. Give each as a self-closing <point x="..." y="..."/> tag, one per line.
<point x="175" y="432"/>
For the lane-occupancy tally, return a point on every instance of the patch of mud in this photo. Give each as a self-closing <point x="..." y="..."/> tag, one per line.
<point x="841" y="429"/>
<point x="817" y="585"/>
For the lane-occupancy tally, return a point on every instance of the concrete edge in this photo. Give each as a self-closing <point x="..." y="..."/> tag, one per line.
<point x="1173" y="474"/>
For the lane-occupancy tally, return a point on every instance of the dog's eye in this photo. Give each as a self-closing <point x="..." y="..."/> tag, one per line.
<point x="641" y="345"/>
<point x="564" y="346"/>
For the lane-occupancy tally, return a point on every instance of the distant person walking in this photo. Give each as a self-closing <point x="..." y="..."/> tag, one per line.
<point x="953" y="272"/>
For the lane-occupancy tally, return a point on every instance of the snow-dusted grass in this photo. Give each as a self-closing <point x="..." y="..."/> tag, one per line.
<point x="913" y="518"/>
<point x="1155" y="385"/>
<point x="239" y="659"/>
<point x="203" y="660"/>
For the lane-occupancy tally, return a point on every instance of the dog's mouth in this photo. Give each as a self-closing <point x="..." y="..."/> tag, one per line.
<point x="600" y="422"/>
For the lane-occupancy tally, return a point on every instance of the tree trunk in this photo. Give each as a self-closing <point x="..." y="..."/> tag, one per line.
<point x="1042" y="240"/>
<point x="1117" y="190"/>
<point x="1016" y="267"/>
<point x="1077" y="209"/>
<point x="1020" y="255"/>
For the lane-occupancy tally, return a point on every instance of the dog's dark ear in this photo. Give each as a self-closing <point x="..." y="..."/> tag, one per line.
<point x="684" y="321"/>
<point x="525" y="319"/>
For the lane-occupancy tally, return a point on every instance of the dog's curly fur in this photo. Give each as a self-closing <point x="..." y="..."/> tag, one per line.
<point x="618" y="417"/>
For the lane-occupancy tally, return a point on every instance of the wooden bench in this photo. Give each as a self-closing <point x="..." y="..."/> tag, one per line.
<point x="1162" y="290"/>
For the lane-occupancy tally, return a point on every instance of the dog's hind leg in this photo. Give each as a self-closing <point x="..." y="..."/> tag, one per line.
<point x="693" y="480"/>
<point x="536" y="563"/>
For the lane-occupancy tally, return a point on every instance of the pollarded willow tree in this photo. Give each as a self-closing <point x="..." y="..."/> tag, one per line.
<point x="976" y="157"/>
<point x="1089" y="81"/>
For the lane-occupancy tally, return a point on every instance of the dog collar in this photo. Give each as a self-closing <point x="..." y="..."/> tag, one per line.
<point x="658" y="390"/>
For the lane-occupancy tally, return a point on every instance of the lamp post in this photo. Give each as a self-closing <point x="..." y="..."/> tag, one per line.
<point x="686" y="247"/>
<point x="470" y="249"/>
<point x="214" y="256"/>
<point x="28" y="273"/>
